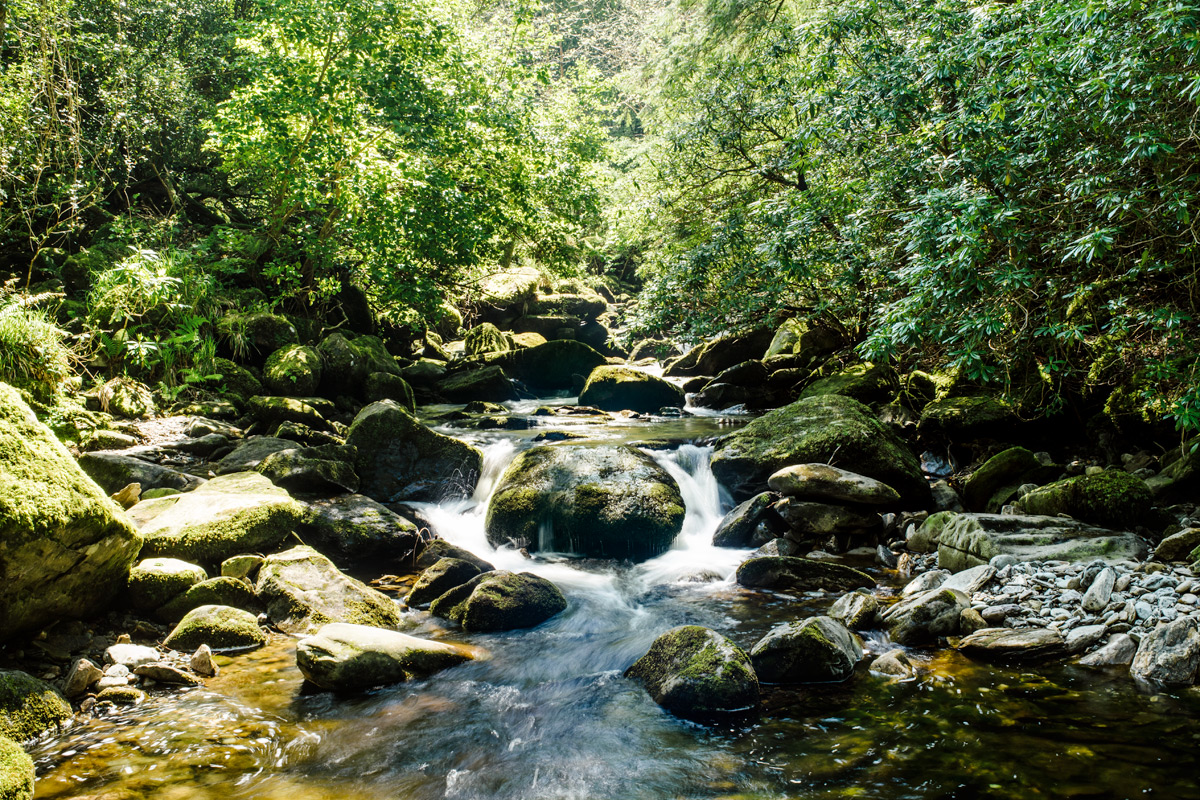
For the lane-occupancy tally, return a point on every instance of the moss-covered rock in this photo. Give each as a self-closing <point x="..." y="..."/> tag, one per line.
<point x="751" y="520"/>
<point x="347" y="657"/>
<point x="114" y="471"/>
<point x="867" y="383"/>
<point x="219" y="627"/>
<point x="923" y="617"/>
<point x="1113" y="498"/>
<point x="605" y="502"/>
<point x="698" y="674"/>
<point x="831" y="484"/>
<point x="615" y="388"/>
<point x="486" y="383"/>
<point x="253" y="337"/>
<point x="354" y="531"/>
<point x="219" y="591"/>
<point x="324" y="470"/>
<point x="555" y="365"/>
<point x="443" y="576"/>
<point x="401" y="459"/>
<point x="1179" y="479"/>
<point x="16" y="771"/>
<point x="249" y="454"/>
<point x="386" y="386"/>
<point x="293" y="371"/>
<point x="29" y="707"/>
<point x="789" y="573"/>
<point x="231" y="514"/>
<point x="65" y="547"/>
<point x="815" y="650"/>
<point x="303" y="590"/>
<point x="273" y="410"/>
<point x="717" y="355"/>
<point x="830" y="429"/>
<point x="156" y="581"/>
<point x="969" y="540"/>
<point x="500" y="601"/>
<point x="1006" y="468"/>
<point x="484" y="339"/>
<point x="521" y="341"/>
<point x="968" y="418"/>
<point x="233" y="378"/>
<point x="349" y="362"/>
<point x="583" y="306"/>
<point x="127" y="399"/>
<point x="438" y="549"/>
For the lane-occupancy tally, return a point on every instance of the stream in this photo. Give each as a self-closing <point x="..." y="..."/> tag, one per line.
<point x="548" y="714"/>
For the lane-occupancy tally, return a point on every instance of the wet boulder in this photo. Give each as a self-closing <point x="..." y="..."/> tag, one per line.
<point x="1168" y="655"/>
<point x="698" y="674"/>
<point x="386" y="386"/>
<point x="355" y="531"/>
<point x="229" y="515"/>
<point x="616" y="388"/>
<point x="807" y="519"/>
<point x="829" y="484"/>
<point x="555" y="365"/>
<point x="446" y="574"/>
<point x="112" y="471"/>
<point x="717" y="355"/>
<point x="484" y="339"/>
<point x="500" y="601"/>
<point x="922" y="618"/>
<point x="156" y="581"/>
<point x="825" y="429"/>
<point x="401" y="459"/>
<point x="867" y="383"/>
<point x="249" y="454"/>
<point x="65" y="547"/>
<point x="438" y="549"/>
<point x="324" y="470"/>
<point x="603" y="502"/>
<point x="748" y="523"/>
<point x="1007" y="469"/>
<point x="293" y="371"/>
<point x="815" y="650"/>
<point x="968" y="540"/>
<point x="220" y="591"/>
<point x="350" y="361"/>
<point x="16" y="771"/>
<point x="486" y="383"/>
<point x="858" y="609"/>
<point x="789" y="573"/>
<point x="1113" y="498"/>
<point x="344" y="657"/>
<point x="303" y="590"/>
<point x="29" y="706"/>
<point x="1009" y="646"/>
<point x="219" y="627"/>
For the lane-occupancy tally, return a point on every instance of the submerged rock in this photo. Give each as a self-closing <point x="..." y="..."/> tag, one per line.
<point x="65" y="547"/>
<point x="604" y="502"/>
<point x="219" y="627"/>
<point x="341" y="656"/>
<point x="29" y="706"/>
<point x="829" y="428"/>
<point x="228" y="516"/>
<point x="616" y="388"/>
<point x="788" y="573"/>
<point x="303" y="590"/>
<point x="968" y="540"/>
<point x="698" y="674"/>
<point x="401" y="459"/>
<point x="815" y="650"/>
<point x="500" y="601"/>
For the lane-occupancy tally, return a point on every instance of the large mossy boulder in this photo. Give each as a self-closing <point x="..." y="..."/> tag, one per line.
<point x="127" y="399"/>
<point x="828" y="484"/>
<point x="293" y="371"/>
<point x="867" y="383"/>
<point x="603" y="502"/>
<point x="486" y="383"/>
<point x="29" y="707"/>
<point x="324" y="470"/>
<point x="272" y="411"/>
<point x="698" y="674"/>
<point x="961" y="419"/>
<point x="349" y="362"/>
<point x="224" y="590"/>
<point x="401" y="459"/>
<point x="16" y="771"/>
<point x="303" y="590"/>
<point x="1111" y="499"/>
<point x="616" y="388"/>
<point x="500" y="601"/>
<point x="253" y="337"/>
<point x="485" y="339"/>
<point x="355" y="531"/>
<point x="969" y="540"/>
<point x="231" y="514"/>
<point x="344" y="657"/>
<point x="1179" y="479"/>
<point x="584" y="306"/>
<point x="815" y="650"/>
<point x="386" y="386"/>
<point x="156" y="581"/>
<point x="1007" y="468"/>
<point x="233" y="378"/>
<point x="923" y="617"/>
<point x="553" y="366"/>
<point x="446" y="574"/>
<point x="717" y="355"/>
<point x="830" y="429"/>
<point x="219" y="627"/>
<point x="790" y="573"/>
<point x="65" y="547"/>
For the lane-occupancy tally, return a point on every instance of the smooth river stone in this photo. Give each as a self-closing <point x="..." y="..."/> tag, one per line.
<point x="826" y="483"/>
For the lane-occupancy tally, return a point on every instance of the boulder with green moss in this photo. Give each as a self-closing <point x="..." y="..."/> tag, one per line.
<point x="867" y="383"/>
<point x="969" y="540"/>
<point x="830" y="429"/>
<point x="271" y="411"/>
<point x="127" y="399"/>
<point x="355" y="531"/>
<point x="346" y="657"/>
<point x="554" y="365"/>
<point x="386" y="386"/>
<point x="616" y="388"/>
<point x="114" y="471"/>
<point x="29" y="707"/>
<point x="220" y="591"/>
<point x="253" y="337"/>
<point x="156" y="581"/>
<point x="790" y="573"/>
<point x="249" y="454"/>
<point x="486" y="383"/>
<point x="65" y="547"/>
<point x="717" y="355"/>
<point x="925" y="616"/>
<point x="698" y="674"/>
<point x="401" y="459"/>
<point x="349" y="362"/>
<point x="500" y="601"/>
<point x="484" y="339"/>
<point x="232" y="378"/>
<point x="815" y="650"/>
<point x="324" y="470"/>
<point x="231" y="514"/>
<point x="16" y="771"/>
<point x="826" y="483"/>
<point x="1007" y="468"/>
<point x="968" y="418"/>
<point x="603" y="502"/>
<point x="443" y="576"/>
<point x="1179" y="479"/>
<point x="1112" y="499"/>
<point x="219" y="627"/>
<point x="293" y="371"/>
<point x="303" y="590"/>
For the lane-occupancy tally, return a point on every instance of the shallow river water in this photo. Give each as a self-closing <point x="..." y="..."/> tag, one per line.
<point x="548" y="714"/>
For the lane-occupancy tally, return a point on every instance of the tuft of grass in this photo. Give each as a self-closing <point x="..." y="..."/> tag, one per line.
<point x="33" y="353"/>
